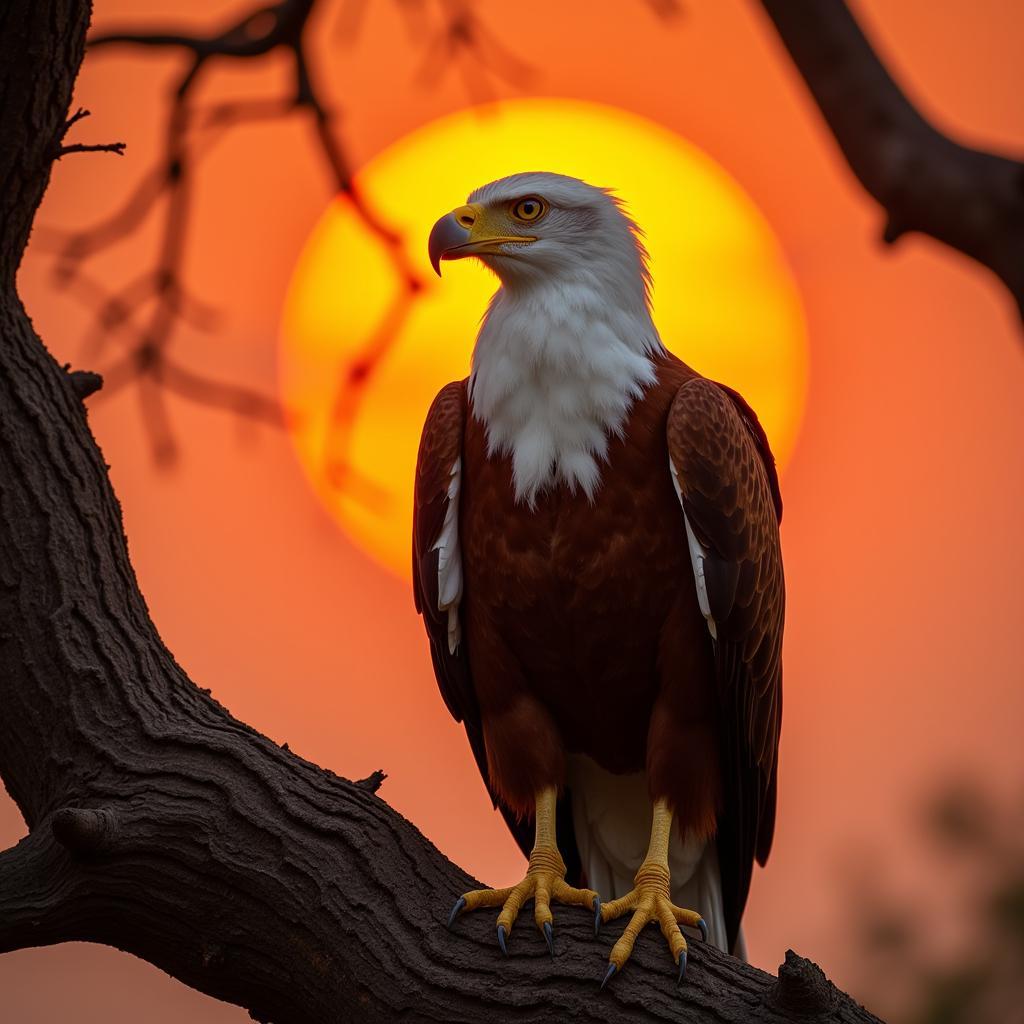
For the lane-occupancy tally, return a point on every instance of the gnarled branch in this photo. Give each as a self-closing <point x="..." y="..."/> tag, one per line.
<point x="923" y="180"/>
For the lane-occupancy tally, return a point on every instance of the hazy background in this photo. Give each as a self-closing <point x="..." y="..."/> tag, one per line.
<point x="904" y="497"/>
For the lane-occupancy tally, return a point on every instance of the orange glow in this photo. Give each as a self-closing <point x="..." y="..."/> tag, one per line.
<point x="724" y="299"/>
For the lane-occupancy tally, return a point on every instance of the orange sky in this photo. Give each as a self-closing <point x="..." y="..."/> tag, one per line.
<point x="903" y="496"/>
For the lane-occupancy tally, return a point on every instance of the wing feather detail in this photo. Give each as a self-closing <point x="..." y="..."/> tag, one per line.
<point x="698" y="556"/>
<point x="725" y="477"/>
<point x="436" y="558"/>
<point x="438" y="579"/>
<point x="449" y="560"/>
<point x="441" y="598"/>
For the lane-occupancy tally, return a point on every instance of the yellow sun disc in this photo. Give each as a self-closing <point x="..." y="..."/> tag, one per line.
<point x="361" y="359"/>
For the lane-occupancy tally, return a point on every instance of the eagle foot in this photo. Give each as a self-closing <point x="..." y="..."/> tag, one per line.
<point x="544" y="884"/>
<point x="650" y="902"/>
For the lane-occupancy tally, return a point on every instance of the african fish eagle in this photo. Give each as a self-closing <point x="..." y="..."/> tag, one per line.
<point x="596" y="559"/>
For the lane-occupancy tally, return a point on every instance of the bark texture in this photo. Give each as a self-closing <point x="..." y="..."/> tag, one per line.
<point x="925" y="181"/>
<point x="161" y="825"/>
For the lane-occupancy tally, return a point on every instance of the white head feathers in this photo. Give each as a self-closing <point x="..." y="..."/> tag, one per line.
<point x="567" y="342"/>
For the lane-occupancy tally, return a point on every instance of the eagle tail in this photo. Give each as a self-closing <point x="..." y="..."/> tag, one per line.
<point x="611" y="816"/>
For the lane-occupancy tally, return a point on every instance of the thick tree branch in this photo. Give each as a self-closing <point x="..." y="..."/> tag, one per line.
<point x="923" y="180"/>
<point x="35" y="886"/>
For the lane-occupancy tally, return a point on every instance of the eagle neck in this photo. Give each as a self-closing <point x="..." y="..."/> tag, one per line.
<point x="556" y="370"/>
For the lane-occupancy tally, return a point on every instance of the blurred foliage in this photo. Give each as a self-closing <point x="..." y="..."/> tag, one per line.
<point x="947" y="947"/>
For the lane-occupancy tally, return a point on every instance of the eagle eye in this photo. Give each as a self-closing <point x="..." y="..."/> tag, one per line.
<point x="528" y="209"/>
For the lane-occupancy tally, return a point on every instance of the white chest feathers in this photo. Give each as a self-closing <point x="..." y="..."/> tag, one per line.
<point x="554" y="377"/>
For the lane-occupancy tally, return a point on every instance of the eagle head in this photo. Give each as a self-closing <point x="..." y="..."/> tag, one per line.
<point x="544" y="227"/>
<point x="567" y="344"/>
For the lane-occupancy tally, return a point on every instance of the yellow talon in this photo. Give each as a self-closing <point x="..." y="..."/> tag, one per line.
<point x="544" y="882"/>
<point x="650" y="900"/>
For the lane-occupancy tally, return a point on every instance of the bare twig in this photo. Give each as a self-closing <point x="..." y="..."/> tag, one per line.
<point x="81" y="147"/>
<point x="925" y="181"/>
<point x="144" y="313"/>
<point x="94" y="147"/>
<point x="188" y="132"/>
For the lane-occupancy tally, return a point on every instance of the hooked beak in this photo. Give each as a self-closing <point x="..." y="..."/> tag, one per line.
<point x="463" y="233"/>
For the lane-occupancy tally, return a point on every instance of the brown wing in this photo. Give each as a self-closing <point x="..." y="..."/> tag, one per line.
<point x="440" y="451"/>
<point x="439" y="457"/>
<point x="729" y="489"/>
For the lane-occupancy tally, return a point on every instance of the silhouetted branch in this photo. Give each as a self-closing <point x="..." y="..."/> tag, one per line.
<point x="145" y="312"/>
<point x="971" y="200"/>
<point x="256" y="34"/>
<point x="92" y="147"/>
<point x="63" y="149"/>
<point x="219" y="394"/>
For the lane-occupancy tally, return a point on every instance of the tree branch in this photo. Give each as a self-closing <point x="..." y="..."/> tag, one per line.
<point x="117" y="148"/>
<point x="157" y="297"/>
<point x="924" y="181"/>
<point x="36" y="883"/>
<point x="148" y="321"/>
<point x="61" y="149"/>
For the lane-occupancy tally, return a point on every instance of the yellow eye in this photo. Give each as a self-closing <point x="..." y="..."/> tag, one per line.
<point x="529" y="208"/>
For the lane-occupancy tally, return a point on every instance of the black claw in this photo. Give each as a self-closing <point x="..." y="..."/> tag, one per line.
<point x="501" y="939"/>
<point x="703" y="926"/>
<point x="597" y="916"/>
<point x="550" y="936"/>
<point x="608" y="976"/>
<point x="682" y="967"/>
<point x="456" y="910"/>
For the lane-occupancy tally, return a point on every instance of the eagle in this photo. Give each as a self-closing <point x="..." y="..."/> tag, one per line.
<point x="596" y="559"/>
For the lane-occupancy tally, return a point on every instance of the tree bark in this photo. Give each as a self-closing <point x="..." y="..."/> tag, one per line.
<point x="971" y="200"/>
<point x="161" y="825"/>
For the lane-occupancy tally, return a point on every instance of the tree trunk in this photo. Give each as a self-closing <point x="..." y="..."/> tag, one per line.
<point x="161" y="825"/>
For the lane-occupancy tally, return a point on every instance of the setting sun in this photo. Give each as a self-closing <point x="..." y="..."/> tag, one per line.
<point x="724" y="299"/>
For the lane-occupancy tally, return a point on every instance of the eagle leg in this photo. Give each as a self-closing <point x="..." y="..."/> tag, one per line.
<point x="650" y="901"/>
<point x="544" y="882"/>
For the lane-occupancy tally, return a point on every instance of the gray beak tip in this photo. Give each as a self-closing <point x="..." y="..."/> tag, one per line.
<point x="445" y="235"/>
